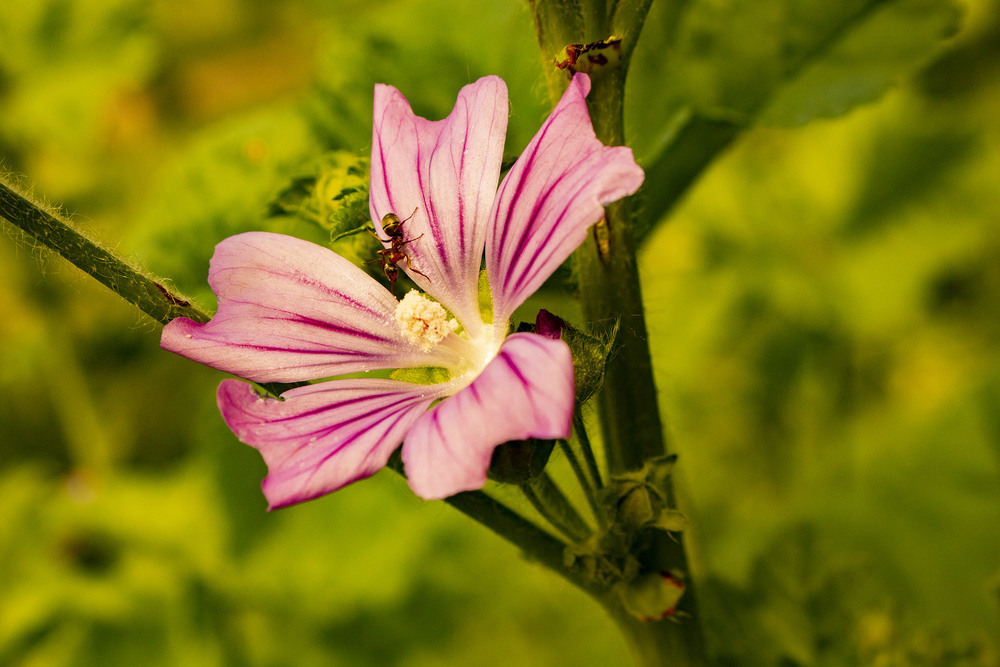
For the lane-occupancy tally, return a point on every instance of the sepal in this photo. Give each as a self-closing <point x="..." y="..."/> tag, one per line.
<point x="639" y="499"/>
<point x="603" y="559"/>
<point x="637" y="504"/>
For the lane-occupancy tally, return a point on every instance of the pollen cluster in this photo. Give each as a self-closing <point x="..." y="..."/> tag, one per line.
<point x="423" y="322"/>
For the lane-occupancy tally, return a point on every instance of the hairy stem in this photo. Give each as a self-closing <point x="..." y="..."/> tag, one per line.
<point x="612" y="297"/>
<point x="150" y="294"/>
<point x="50" y="229"/>
<point x="628" y="405"/>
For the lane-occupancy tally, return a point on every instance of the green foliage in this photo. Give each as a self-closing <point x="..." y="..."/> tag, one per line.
<point x="870" y="51"/>
<point x="820" y="304"/>
<point x="780" y="63"/>
<point x="332" y="194"/>
<point x="225" y="186"/>
<point x="790" y="62"/>
<point x="708" y="69"/>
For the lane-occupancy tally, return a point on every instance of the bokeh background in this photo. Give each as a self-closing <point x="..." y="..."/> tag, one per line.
<point x="824" y="313"/>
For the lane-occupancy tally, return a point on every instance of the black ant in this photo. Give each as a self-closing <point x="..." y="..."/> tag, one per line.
<point x="394" y="254"/>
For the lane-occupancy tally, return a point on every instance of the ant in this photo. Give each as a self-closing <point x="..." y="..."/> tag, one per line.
<point x="391" y="256"/>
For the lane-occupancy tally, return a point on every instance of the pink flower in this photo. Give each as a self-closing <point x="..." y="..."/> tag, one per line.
<point x="290" y="310"/>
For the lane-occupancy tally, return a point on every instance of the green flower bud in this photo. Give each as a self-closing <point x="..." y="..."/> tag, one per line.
<point x="638" y="499"/>
<point x="653" y="596"/>
<point x="590" y="354"/>
<point x="637" y="508"/>
<point x="519" y="461"/>
<point x="331" y="192"/>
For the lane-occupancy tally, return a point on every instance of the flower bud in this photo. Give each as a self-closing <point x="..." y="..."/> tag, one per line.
<point x="590" y="354"/>
<point x="638" y="507"/>
<point x="518" y="461"/>
<point x="548" y="325"/>
<point x="653" y="596"/>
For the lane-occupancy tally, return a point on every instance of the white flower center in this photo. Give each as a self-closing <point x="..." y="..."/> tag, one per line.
<point x="423" y="322"/>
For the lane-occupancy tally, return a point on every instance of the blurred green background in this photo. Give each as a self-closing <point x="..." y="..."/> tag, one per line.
<point x="824" y="308"/>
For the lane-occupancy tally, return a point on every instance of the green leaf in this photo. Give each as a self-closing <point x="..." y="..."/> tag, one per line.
<point x="784" y="63"/>
<point x="332" y="193"/>
<point x="707" y="69"/>
<point x="869" y="53"/>
<point x="728" y="55"/>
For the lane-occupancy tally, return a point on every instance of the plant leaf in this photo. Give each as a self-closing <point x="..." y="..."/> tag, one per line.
<point x="867" y="55"/>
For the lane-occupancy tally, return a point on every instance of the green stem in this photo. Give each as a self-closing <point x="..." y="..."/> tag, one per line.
<point x="537" y="544"/>
<point x="585" y="482"/>
<point x="150" y="294"/>
<point x="552" y="504"/>
<point x="628" y="407"/>
<point x="580" y="429"/>
<point x="612" y="297"/>
<point x="48" y="228"/>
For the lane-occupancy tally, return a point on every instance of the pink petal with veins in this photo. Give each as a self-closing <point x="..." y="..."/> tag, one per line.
<point x="526" y="391"/>
<point x="322" y="437"/>
<point x="549" y="199"/>
<point x="445" y="173"/>
<point x="290" y="310"/>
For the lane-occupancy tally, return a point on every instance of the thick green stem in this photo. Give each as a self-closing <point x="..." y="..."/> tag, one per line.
<point x="628" y="406"/>
<point x="612" y="297"/>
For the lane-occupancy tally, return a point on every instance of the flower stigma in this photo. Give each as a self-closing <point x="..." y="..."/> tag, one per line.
<point x="423" y="322"/>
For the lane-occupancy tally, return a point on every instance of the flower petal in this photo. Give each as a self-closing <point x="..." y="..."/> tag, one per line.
<point x="444" y="172"/>
<point x="290" y="310"/>
<point x="525" y="392"/>
<point x="554" y="192"/>
<point x="322" y="437"/>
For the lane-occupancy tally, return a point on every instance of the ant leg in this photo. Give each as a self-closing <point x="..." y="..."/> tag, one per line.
<point x="380" y="258"/>
<point x="402" y="243"/>
<point x="378" y="237"/>
<point x="410" y="215"/>
<point x="414" y="269"/>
